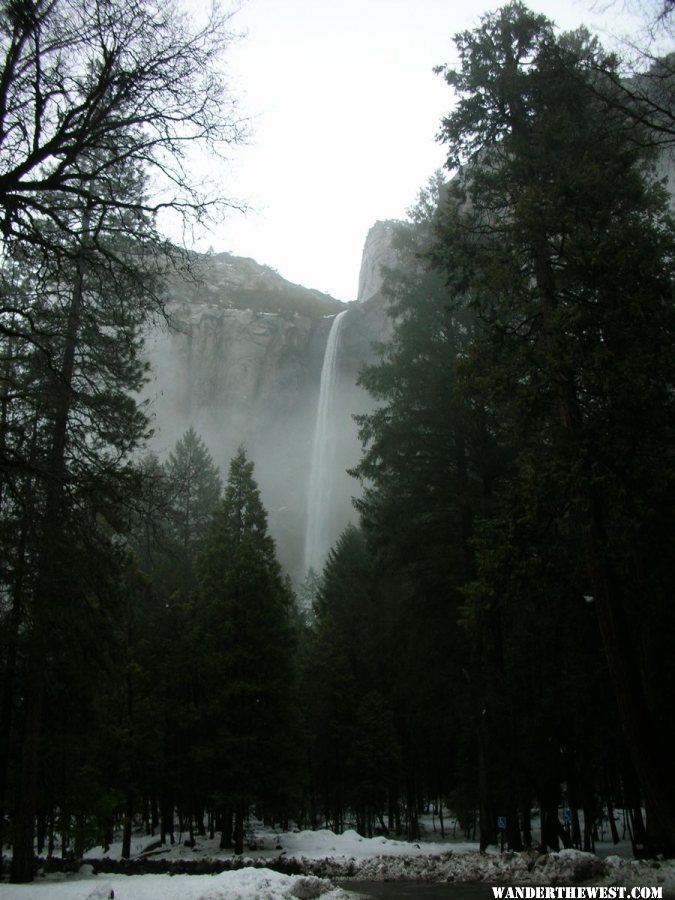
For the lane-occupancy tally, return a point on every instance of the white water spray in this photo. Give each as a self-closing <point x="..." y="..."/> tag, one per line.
<point x="322" y="471"/>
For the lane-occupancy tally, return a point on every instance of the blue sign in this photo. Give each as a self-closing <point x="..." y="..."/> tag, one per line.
<point x="567" y="816"/>
<point x="501" y="822"/>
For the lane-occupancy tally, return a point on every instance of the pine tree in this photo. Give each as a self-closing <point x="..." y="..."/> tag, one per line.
<point x="85" y="364"/>
<point x="570" y="248"/>
<point x="93" y="97"/>
<point x="518" y="461"/>
<point x="429" y="459"/>
<point x="178" y="501"/>
<point x="420" y="479"/>
<point x="244" y="650"/>
<point x="194" y="488"/>
<point x="350" y="680"/>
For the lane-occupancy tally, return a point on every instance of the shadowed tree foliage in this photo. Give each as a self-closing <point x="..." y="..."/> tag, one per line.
<point x="99" y="103"/>
<point x="571" y="247"/>
<point x="244" y="640"/>
<point x="518" y="463"/>
<point x="194" y="488"/>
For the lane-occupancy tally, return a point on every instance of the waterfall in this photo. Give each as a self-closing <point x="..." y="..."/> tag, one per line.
<point x="322" y="468"/>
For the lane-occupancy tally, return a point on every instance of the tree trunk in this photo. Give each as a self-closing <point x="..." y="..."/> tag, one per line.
<point x="199" y="816"/>
<point x="486" y="815"/>
<point x="653" y="764"/>
<point x="15" y="621"/>
<point x="226" y="833"/>
<point x="576" y="829"/>
<point x="8" y="685"/>
<point x="166" y="815"/>
<point x="50" y="835"/>
<point x="612" y="823"/>
<point x="526" y="818"/>
<point x="79" y="845"/>
<point x="643" y="741"/>
<point x="573" y="797"/>
<point x="589" y="825"/>
<point x="411" y="804"/>
<point x="41" y="833"/>
<point x="239" y="819"/>
<point x="550" y="837"/>
<point x="7" y="706"/>
<point x="45" y="599"/>
<point x="128" y="820"/>
<point x="154" y="811"/>
<point x="513" y="837"/>
<point x="22" y="868"/>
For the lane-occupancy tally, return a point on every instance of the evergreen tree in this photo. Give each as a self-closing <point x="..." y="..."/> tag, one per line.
<point x="194" y="488"/>
<point x="375" y="680"/>
<point x="570" y="251"/>
<point x="93" y="97"/>
<point x="244" y="649"/>
<point x="172" y="515"/>
<point x="85" y="366"/>
<point x="518" y="461"/>
<point x="420" y="481"/>
<point x="428" y="463"/>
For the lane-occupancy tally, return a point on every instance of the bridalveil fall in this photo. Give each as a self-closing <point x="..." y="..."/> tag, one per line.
<point x="322" y="465"/>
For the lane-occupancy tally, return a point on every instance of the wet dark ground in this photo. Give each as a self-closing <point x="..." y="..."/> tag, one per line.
<point x="413" y="890"/>
<point x="398" y="890"/>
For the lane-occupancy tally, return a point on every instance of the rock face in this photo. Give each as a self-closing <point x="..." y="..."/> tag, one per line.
<point x="241" y="363"/>
<point x="377" y="252"/>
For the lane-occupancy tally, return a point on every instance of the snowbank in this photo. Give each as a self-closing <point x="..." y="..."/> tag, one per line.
<point x="322" y="857"/>
<point x="268" y="844"/>
<point x="246" y="884"/>
<point x="564" y="868"/>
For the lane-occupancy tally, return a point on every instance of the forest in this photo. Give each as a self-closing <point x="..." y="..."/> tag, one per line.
<point x="494" y="636"/>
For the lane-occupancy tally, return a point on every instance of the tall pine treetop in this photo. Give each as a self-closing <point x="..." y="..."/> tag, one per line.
<point x="245" y="514"/>
<point x="240" y="521"/>
<point x="195" y="486"/>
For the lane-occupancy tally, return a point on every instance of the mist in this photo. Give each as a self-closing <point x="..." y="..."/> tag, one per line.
<point x="241" y="363"/>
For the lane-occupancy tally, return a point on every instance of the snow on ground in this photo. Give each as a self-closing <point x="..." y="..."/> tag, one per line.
<point x="323" y="856"/>
<point x="323" y="843"/>
<point x="527" y="868"/>
<point x="246" y="884"/>
<point x="268" y="844"/>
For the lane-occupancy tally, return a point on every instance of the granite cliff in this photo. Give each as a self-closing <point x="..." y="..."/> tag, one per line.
<point x="242" y="361"/>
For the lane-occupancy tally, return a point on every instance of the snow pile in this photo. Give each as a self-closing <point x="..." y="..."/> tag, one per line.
<point x="564" y="868"/>
<point x="303" y="864"/>
<point x="350" y="844"/>
<point x="270" y="844"/>
<point x="636" y="873"/>
<point x="245" y="884"/>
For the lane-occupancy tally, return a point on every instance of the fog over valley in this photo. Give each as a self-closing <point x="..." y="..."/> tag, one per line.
<point x="241" y="363"/>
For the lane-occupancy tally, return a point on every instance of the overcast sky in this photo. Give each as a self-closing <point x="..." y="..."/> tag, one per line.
<point x="345" y="108"/>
